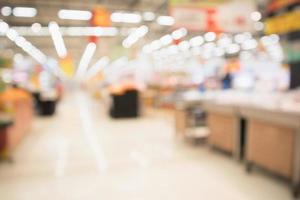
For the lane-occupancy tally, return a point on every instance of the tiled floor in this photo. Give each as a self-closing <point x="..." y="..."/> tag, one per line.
<point x="82" y="154"/>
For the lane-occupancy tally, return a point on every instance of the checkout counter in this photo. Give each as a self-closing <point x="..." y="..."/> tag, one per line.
<point x="261" y="129"/>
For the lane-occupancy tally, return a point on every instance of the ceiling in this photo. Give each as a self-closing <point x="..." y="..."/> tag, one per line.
<point x="47" y="11"/>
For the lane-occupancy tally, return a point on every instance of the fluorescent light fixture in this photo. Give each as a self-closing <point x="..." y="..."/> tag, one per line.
<point x="57" y="40"/>
<point x="6" y="11"/>
<point x="135" y="36"/>
<point x="65" y="31"/>
<point x="233" y="49"/>
<point x="24" y="12"/>
<point x="20" y="41"/>
<point x="196" y="41"/>
<point x="89" y="31"/>
<point x="249" y="44"/>
<point x="240" y="38"/>
<point x="224" y="41"/>
<point x="256" y="16"/>
<point x="75" y="14"/>
<point x="148" y="16"/>
<point x="85" y="59"/>
<point x="12" y="34"/>
<point x="179" y="33"/>
<point x="184" y="46"/>
<point x="3" y="27"/>
<point x="24" y="44"/>
<point x="155" y="45"/>
<point x="270" y="40"/>
<point x="165" y="20"/>
<point x="218" y="51"/>
<point x="36" y="27"/>
<point x="97" y="67"/>
<point x="210" y="36"/>
<point x="166" y="40"/>
<point x="122" y="17"/>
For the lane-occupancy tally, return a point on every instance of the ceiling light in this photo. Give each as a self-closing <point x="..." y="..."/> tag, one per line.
<point x="249" y="44"/>
<point x="166" y="40"/>
<point x="85" y="59"/>
<point x="126" y="17"/>
<point x="155" y="45"/>
<point x="20" y="41"/>
<point x="196" y="41"/>
<point x="57" y="40"/>
<point x="165" y="20"/>
<point x="256" y="16"/>
<point x="209" y="46"/>
<point x="240" y="38"/>
<point x="184" y="46"/>
<point x="224" y="41"/>
<point x="270" y="40"/>
<point x="25" y="45"/>
<point x="135" y="36"/>
<point x="219" y="52"/>
<point x="148" y="16"/>
<point x="75" y="14"/>
<point x="210" y="36"/>
<point x="259" y="26"/>
<point x="36" y="27"/>
<point x="3" y="27"/>
<point x="179" y="33"/>
<point x="98" y="66"/>
<point x="24" y="12"/>
<point x="233" y="49"/>
<point x="12" y="34"/>
<point x="6" y="11"/>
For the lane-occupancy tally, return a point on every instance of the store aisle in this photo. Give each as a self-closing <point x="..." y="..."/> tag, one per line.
<point x="82" y="154"/>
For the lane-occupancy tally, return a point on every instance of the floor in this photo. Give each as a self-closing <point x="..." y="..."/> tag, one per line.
<point x="82" y="154"/>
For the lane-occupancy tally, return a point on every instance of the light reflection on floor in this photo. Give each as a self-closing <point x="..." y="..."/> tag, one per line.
<point x="83" y="154"/>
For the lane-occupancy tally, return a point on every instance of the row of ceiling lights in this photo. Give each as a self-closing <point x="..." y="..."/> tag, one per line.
<point x="210" y="42"/>
<point x="118" y="17"/>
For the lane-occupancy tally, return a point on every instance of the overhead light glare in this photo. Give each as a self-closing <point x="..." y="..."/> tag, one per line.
<point x="166" y="40"/>
<point x="196" y="41"/>
<point x="179" y="33"/>
<point x="121" y="17"/>
<point x="36" y="27"/>
<point x="24" y="12"/>
<point x="85" y="59"/>
<point x="165" y="20"/>
<point x="6" y="11"/>
<point x="256" y="16"/>
<point x="148" y="16"/>
<point x="210" y="36"/>
<point x="75" y="14"/>
<point x="57" y="40"/>
<point x="97" y="67"/>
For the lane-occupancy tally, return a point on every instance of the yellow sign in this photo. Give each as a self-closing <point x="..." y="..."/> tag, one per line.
<point x="67" y="66"/>
<point x="285" y="23"/>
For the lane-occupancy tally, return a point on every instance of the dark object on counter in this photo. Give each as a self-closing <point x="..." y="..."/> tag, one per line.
<point x="4" y="152"/>
<point x="43" y="107"/>
<point x="125" y="105"/>
<point x="295" y="75"/>
<point x="47" y="108"/>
